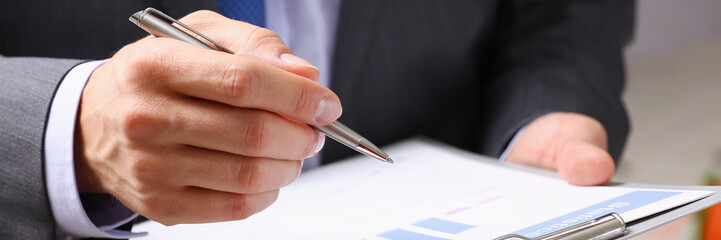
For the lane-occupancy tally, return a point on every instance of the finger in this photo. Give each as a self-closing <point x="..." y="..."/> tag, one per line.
<point x="229" y="172"/>
<point x="197" y="205"/>
<point x="582" y="163"/>
<point x="235" y="80"/>
<point x="249" y="40"/>
<point x="241" y="131"/>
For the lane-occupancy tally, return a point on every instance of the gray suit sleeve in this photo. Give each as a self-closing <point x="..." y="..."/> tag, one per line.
<point x="28" y="85"/>
<point x="556" y="56"/>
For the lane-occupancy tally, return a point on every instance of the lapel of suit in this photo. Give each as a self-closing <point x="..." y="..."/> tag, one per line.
<point x="352" y="44"/>
<point x="350" y="58"/>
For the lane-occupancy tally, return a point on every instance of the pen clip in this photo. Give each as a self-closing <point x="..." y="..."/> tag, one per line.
<point x="168" y="18"/>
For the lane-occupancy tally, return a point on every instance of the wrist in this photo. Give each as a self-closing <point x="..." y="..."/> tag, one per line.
<point x="85" y="178"/>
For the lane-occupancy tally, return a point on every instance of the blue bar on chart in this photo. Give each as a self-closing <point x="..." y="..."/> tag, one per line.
<point x="435" y="224"/>
<point x="443" y="225"/>
<point x="400" y="234"/>
<point x="620" y="204"/>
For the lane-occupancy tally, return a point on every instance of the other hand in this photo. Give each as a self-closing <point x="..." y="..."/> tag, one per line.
<point x="573" y="144"/>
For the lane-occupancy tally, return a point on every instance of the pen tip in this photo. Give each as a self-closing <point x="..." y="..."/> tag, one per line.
<point x="389" y="160"/>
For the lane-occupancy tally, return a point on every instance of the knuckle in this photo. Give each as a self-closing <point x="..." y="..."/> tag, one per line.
<point x="267" y="38"/>
<point x="162" y="211"/>
<point x="134" y="122"/>
<point x="142" y="170"/>
<point x="255" y="135"/>
<point x="237" y="81"/>
<point x="243" y="206"/>
<point x="240" y="207"/>
<point x="160" y="206"/>
<point x="143" y="62"/>
<point x="301" y="103"/>
<point x="249" y="177"/>
<point x="150" y="205"/>
<point x="236" y="173"/>
<point x="138" y="121"/>
<point x="263" y="35"/>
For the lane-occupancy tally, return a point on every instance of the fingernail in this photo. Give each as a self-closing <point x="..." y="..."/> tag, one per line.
<point x="328" y="110"/>
<point x="319" y="143"/>
<point x="292" y="59"/>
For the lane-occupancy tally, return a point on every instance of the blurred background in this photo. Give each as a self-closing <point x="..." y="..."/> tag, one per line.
<point x="673" y="96"/>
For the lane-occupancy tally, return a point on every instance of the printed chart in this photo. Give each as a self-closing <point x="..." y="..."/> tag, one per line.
<point x="447" y="227"/>
<point x="430" y="193"/>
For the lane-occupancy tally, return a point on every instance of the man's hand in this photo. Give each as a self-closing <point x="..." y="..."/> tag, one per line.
<point x="572" y="144"/>
<point x="182" y="134"/>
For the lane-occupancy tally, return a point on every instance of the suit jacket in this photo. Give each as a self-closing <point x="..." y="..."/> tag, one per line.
<point x="466" y="72"/>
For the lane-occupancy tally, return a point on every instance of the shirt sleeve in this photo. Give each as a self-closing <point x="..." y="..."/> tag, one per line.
<point x="512" y="144"/>
<point x="91" y="216"/>
<point x="561" y="57"/>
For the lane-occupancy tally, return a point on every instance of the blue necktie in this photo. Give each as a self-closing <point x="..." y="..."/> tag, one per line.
<point x="251" y="11"/>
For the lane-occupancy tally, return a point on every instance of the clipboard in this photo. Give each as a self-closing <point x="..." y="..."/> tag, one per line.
<point x="610" y="226"/>
<point x="630" y="229"/>
<point x="353" y="199"/>
<point x="635" y="228"/>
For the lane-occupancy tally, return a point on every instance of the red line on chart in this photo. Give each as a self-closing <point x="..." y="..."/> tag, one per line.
<point x="457" y="210"/>
<point x="487" y="200"/>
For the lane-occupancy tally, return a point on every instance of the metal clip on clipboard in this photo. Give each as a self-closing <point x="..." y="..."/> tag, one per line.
<point x="606" y="227"/>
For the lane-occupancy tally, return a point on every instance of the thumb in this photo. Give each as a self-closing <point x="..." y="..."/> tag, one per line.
<point x="572" y="144"/>
<point x="582" y="163"/>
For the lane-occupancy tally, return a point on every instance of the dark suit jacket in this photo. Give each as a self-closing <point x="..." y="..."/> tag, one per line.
<point x="466" y="72"/>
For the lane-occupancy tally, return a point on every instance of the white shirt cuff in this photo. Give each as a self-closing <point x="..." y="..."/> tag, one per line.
<point x="512" y="144"/>
<point x="70" y="216"/>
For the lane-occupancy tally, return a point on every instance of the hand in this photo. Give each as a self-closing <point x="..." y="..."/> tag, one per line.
<point x="182" y="134"/>
<point x="575" y="145"/>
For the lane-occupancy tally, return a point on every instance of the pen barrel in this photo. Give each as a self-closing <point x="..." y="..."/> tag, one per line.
<point x="161" y="28"/>
<point x="341" y="133"/>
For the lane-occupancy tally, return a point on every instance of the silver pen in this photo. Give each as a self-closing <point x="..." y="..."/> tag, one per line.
<point x="159" y="24"/>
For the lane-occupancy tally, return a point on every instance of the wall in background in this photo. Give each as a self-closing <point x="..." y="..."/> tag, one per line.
<point x="673" y="96"/>
<point x="673" y="93"/>
<point x="663" y="26"/>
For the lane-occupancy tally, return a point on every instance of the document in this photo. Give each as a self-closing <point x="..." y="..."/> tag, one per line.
<point x="432" y="192"/>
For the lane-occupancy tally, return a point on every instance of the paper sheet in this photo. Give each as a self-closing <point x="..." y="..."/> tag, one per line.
<point x="430" y="193"/>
